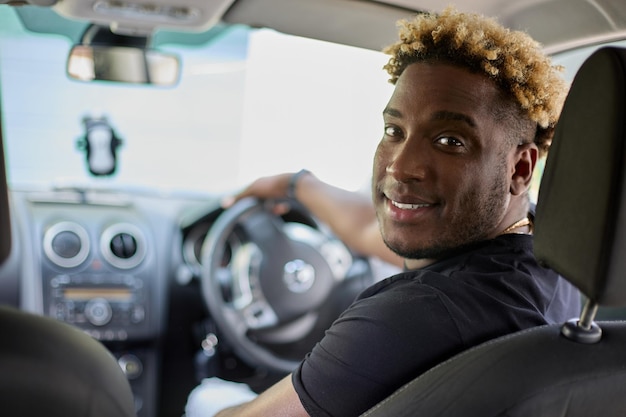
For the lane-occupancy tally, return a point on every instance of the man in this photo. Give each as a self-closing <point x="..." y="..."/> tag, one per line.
<point x="474" y="106"/>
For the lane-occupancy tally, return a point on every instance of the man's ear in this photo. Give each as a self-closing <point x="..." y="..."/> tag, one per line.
<point x="525" y="162"/>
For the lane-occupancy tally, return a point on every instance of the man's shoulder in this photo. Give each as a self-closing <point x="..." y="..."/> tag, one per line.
<point x="510" y="258"/>
<point x="420" y="286"/>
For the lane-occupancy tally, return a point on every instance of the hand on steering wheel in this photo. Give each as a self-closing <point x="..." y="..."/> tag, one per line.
<point x="276" y="283"/>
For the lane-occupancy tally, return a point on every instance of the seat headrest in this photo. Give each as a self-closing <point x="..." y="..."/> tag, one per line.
<point x="580" y="221"/>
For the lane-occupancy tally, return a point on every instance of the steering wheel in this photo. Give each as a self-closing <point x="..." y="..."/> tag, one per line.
<point x="270" y="284"/>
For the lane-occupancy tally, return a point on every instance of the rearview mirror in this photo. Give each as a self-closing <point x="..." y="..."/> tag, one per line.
<point x="126" y="64"/>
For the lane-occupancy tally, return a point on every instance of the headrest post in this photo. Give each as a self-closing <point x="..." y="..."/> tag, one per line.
<point x="584" y="329"/>
<point x="590" y="309"/>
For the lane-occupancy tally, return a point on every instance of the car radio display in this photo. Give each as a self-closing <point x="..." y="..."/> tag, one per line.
<point x="108" y="293"/>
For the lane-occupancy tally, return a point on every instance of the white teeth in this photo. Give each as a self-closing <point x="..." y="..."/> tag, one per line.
<point x="405" y="206"/>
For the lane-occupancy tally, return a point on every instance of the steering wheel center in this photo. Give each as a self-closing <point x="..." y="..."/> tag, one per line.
<point x="298" y="276"/>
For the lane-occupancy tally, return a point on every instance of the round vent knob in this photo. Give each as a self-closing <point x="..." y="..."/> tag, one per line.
<point x="123" y="245"/>
<point x="66" y="244"/>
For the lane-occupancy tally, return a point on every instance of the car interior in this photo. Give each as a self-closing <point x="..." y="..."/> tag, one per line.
<point x="124" y="125"/>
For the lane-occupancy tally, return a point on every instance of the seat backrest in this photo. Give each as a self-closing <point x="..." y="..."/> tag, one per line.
<point x="581" y="221"/>
<point x="578" y="368"/>
<point x="5" y="222"/>
<point x="49" y="368"/>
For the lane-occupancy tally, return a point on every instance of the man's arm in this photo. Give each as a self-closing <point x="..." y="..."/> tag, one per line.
<point x="350" y="215"/>
<point x="280" y="400"/>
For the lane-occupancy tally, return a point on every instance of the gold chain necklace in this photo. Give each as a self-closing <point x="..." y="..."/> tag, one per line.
<point x="520" y="223"/>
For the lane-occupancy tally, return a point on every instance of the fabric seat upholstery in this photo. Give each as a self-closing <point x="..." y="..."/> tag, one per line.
<point x="50" y="368"/>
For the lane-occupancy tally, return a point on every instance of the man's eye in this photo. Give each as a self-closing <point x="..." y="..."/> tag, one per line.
<point x="392" y="131"/>
<point x="449" y="141"/>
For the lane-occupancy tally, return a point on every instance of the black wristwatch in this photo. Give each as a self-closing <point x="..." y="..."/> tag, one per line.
<point x="291" y="188"/>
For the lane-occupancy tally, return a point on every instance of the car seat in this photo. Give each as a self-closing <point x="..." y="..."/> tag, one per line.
<point x="576" y="368"/>
<point x="49" y="368"/>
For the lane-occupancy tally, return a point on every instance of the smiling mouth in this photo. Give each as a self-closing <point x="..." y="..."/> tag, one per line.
<point x="406" y="206"/>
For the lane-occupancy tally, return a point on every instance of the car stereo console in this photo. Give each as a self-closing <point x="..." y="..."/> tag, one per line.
<point x="109" y="307"/>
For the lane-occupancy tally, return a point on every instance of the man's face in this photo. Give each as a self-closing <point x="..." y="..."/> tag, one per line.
<point x="441" y="171"/>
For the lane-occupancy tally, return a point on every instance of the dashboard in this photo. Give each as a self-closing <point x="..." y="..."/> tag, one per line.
<point x="126" y="268"/>
<point x="104" y="262"/>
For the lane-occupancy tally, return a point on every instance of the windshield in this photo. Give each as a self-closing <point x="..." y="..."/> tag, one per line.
<point x="249" y="103"/>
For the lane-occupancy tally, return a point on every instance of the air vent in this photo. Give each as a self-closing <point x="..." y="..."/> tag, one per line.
<point x="66" y="244"/>
<point x="123" y="245"/>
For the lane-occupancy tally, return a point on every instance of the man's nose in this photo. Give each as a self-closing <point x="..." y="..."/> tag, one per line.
<point x="410" y="161"/>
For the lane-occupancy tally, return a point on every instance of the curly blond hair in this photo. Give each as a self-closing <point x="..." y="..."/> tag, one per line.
<point x="511" y="58"/>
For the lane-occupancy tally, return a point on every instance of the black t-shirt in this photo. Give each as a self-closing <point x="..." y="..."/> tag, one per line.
<point x="406" y="324"/>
